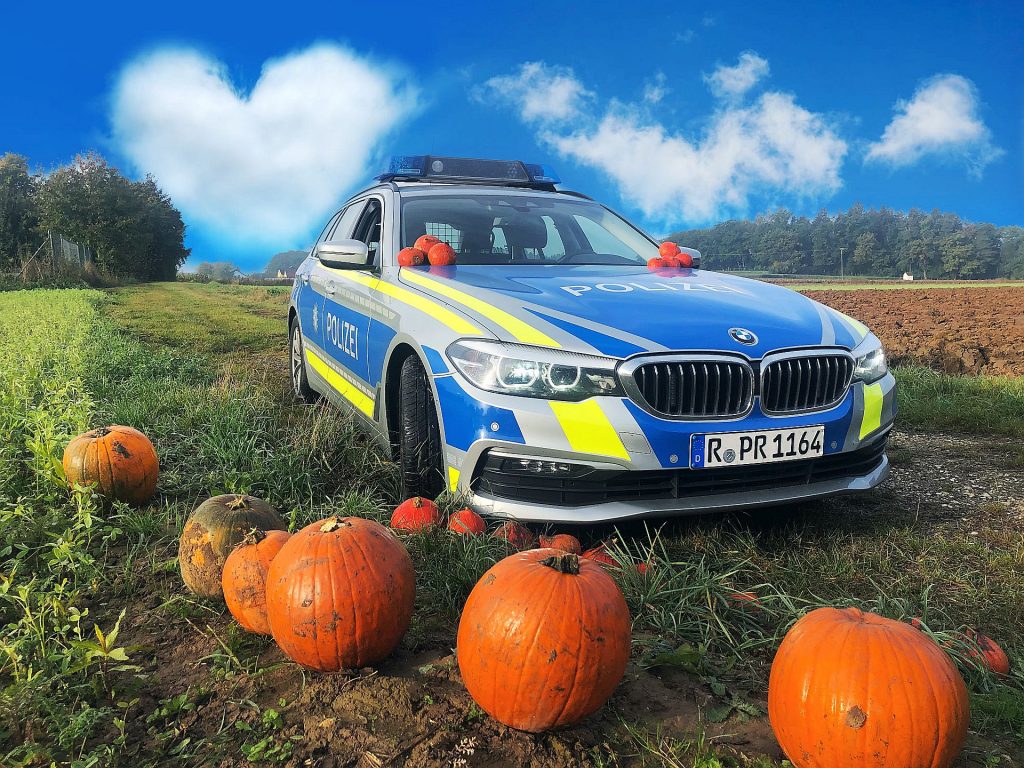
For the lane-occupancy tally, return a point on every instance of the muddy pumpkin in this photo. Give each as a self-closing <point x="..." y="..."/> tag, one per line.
<point x="425" y="242"/>
<point x="340" y="594"/>
<point x="987" y="653"/>
<point x="213" y="530"/>
<point x="244" y="579"/>
<point x="441" y="255"/>
<point x="565" y="653"/>
<point x="848" y="687"/>
<point x="119" y="462"/>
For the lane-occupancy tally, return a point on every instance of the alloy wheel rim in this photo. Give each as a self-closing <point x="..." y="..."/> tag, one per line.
<point x="296" y="360"/>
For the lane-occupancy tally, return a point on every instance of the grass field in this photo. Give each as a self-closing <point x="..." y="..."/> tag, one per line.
<point x="105" y="659"/>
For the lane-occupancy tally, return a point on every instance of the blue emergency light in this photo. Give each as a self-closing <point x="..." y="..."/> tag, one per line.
<point x="465" y="169"/>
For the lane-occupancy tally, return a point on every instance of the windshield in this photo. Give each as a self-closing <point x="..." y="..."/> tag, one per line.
<point x="518" y="229"/>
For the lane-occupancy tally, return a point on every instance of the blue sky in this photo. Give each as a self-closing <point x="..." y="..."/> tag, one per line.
<point x="259" y="122"/>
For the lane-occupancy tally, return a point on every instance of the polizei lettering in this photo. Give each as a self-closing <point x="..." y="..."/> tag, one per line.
<point x="578" y="290"/>
<point x="343" y="335"/>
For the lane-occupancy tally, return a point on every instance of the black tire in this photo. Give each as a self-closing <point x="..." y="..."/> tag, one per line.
<point x="300" y="383"/>
<point x="419" y="437"/>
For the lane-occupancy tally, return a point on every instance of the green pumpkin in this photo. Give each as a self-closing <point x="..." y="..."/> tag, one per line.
<point x="213" y="530"/>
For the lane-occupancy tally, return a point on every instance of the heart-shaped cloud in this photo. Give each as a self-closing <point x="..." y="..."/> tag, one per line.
<point x="266" y="166"/>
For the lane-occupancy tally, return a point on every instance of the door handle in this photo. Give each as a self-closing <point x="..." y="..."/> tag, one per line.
<point x="331" y="288"/>
<point x="305" y="279"/>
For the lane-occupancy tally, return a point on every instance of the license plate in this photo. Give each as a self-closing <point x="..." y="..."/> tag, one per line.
<point x="737" y="449"/>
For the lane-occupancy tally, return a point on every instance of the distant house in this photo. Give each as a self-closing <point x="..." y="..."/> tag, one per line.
<point x="907" y="276"/>
<point x="283" y="274"/>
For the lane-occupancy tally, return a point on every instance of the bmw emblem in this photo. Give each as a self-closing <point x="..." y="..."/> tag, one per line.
<point x="743" y="336"/>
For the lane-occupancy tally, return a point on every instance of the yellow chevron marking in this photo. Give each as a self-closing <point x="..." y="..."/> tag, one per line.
<point x="453" y="478"/>
<point x="523" y="332"/>
<point x="588" y="429"/>
<point x="872" y="420"/>
<point x="456" y="322"/>
<point x="346" y="389"/>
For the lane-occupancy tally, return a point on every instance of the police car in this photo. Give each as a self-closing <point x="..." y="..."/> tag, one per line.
<point x="550" y="374"/>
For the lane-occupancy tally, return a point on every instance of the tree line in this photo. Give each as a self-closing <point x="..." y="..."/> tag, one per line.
<point x="132" y="227"/>
<point x="882" y="242"/>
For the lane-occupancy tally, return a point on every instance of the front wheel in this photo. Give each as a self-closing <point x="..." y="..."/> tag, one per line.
<point x="419" y="437"/>
<point x="300" y="384"/>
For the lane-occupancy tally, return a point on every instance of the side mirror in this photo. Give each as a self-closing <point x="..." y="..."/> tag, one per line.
<point x="694" y="254"/>
<point x="342" y="254"/>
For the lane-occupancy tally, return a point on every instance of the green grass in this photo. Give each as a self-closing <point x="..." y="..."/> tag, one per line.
<point x="934" y="401"/>
<point x="200" y="368"/>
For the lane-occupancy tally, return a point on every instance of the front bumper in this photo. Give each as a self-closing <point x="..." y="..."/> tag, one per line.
<point x="609" y="495"/>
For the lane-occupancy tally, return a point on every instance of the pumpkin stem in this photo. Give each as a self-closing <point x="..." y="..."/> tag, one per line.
<point x="254" y="536"/>
<point x="567" y="563"/>
<point x="332" y="524"/>
<point x="239" y="502"/>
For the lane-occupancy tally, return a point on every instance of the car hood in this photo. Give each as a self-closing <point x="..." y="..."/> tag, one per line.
<point x="619" y="311"/>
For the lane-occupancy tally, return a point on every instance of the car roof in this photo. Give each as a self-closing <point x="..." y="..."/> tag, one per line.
<point x="428" y="188"/>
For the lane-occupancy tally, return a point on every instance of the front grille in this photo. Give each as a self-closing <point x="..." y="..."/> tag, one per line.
<point x="809" y="383"/>
<point x="599" y="486"/>
<point x="695" y="388"/>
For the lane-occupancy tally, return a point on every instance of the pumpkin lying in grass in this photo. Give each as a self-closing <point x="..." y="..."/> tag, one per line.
<point x="850" y="688"/>
<point x="245" y="578"/>
<point x="516" y="534"/>
<point x="415" y="514"/>
<point x="987" y="653"/>
<point x="566" y="653"/>
<point x="467" y="522"/>
<point x="599" y="554"/>
<point x="340" y="594"/>
<point x="563" y="541"/>
<point x="119" y="462"/>
<point x="213" y="530"/>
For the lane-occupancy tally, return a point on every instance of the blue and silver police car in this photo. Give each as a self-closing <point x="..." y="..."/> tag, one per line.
<point x="550" y="375"/>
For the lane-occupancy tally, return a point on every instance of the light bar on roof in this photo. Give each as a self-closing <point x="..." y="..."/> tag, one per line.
<point x="450" y="168"/>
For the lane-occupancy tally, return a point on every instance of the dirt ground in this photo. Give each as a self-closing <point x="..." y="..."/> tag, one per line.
<point x="413" y="709"/>
<point x="955" y="330"/>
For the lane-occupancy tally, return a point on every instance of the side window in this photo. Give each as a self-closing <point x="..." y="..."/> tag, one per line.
<point x="343" y="229"/>
<point x="325" y="235"/>
<point x="368" y="229"/>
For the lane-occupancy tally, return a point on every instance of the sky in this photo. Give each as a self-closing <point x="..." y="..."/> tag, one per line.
<point x="260" y="122"/>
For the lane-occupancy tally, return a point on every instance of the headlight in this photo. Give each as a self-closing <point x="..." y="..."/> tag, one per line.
<point x="871" y="366"/>
<point x="518" y="369"/>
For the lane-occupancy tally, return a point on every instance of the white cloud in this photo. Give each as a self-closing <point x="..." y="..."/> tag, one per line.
<point x="538" y="91"/>
<point x="941" y="118"/>
<point x="769" y="146"/>
<point x="733" y="82"/>
<point x="264" y="166"/>
<point x="656" y="90"/>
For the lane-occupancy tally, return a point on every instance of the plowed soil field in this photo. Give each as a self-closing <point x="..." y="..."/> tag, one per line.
<point x="955" y="330"/>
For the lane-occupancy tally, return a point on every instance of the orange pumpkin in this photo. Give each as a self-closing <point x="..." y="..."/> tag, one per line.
<point x="411" y="257"/>
<point x="441" y="255"/>
<point x="467" y="522"/>
<point x="213" y="530"/>
<point x="245" y="578"/>
<point x="987" y="652"/>
<point x="119" y="462"/>
<point x="340" y="594"/>
<point x="563" y="541"/>
<point x="668" y="249"/>
<point x="655" y="264"/>
<point x="849" y="687"/>
<point x="415" y="514"/>
<point x="516" y="534"/>
<point x="685" y="260"/>
<point x="424" y="242"/>
<point x="599" y="554"/>
<point x="536" y="664"/>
